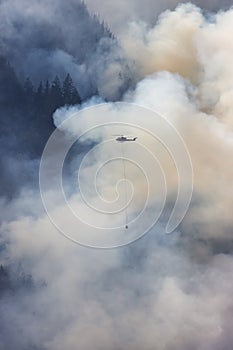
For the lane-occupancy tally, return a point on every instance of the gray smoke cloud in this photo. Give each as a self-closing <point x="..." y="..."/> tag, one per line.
<point x="163" y="292"/>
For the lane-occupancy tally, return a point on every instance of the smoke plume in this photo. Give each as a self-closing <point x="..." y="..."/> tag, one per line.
<point x="162" y="291"/>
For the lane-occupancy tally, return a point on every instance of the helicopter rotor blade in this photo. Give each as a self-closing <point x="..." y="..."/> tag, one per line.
<point x="124" y="135"/>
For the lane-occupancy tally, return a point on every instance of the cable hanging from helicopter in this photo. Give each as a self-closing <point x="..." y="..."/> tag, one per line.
<point x="122" y="139"/>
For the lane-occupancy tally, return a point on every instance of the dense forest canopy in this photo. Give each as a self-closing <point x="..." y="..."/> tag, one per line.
<point x="24" y="104"/>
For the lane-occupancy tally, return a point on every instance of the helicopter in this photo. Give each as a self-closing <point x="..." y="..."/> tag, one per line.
<point x="122" y="138"/>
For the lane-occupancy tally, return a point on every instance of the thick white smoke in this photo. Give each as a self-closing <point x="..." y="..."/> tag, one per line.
<point x="196" y="96"/>
<point x="189" y="57"/>
<point x="162" y="292"/>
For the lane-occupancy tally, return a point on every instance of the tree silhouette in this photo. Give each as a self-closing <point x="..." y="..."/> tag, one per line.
<point x="56" y="99"/>
<point x="39" y="98"/>
<point x="69" y="92"/>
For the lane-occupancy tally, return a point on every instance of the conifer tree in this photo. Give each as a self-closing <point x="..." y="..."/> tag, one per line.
<point x="69" y="92"/>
